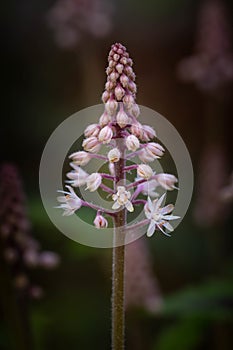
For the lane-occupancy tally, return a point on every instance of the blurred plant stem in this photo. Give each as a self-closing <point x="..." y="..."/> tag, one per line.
<point x="14" y="309"/>
<point x="118" y="261"/>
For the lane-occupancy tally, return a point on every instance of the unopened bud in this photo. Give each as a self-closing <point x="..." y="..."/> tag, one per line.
<point x="105" y="96"/>
<point x="111" y="106"/>
<point x="154" y="149"/>
<point x="136" y="130"/>
<point x="135" y="110"/>
<point x="122" y="119"/>
<point x="167" y="181"/>
<point x="148" y="133"/>
<point x="124" y="60"/>
<point x="109" y="85"/>
<point x="91" y="144"/>
<point x="92" y="130"/>
<point x="114" y="155"/>
<point x="80" y="158"/>
<point x="119" y="68"/>
<point x="106" y="134"/>
<point x="104" y="119"/>
<point x="49" y="260"/>
<point x="124" y="80"/>
<point x="100" y="222"/>
<point x="113" y="77"/>
<point x="119" y="92"/>
<point x="144" y="171"/>
<point x="128" y="101"/>
<point x="132" y="143"/>
<point x="93" y="182"/>
<point x="116" y="57"/>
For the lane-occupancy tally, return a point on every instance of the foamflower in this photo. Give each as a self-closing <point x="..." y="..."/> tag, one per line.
<point x="158" y="215"/>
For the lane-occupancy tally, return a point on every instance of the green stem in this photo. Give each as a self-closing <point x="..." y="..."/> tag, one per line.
<point x="118" y="262"/>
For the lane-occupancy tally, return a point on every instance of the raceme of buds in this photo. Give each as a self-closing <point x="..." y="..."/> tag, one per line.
<point x="121" y="138"/>
<point x="20" y="251"/>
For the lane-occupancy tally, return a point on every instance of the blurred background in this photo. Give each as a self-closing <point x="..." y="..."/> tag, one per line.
<point x="54" y="57"/>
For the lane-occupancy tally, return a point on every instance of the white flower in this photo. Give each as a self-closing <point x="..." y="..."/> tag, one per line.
<point x="77" y="176"/>
<point x="91" y="144"/>
<point x="121" y="199"/>
<point x="111" y="106"/>
<point x="144" y="171"/>
<point x="114" y="155"/>
<point x="70" y="202"/>
<point x="167" y="181"/>
<point x="105" y="134"/>
<point x="119" y="92"/>
<point x="148" y="133"/>
<point x="93" y="182"/>
<point x="100" y="221"/>
<point x="104" y="119"/>
<point x="145" y="156"/>
<point x="158" y="216"/>
<point x="80" y="158"/>
<point x="136" y="129"/>
<point x="132" y="143"/>
<point x="148" y="188"/>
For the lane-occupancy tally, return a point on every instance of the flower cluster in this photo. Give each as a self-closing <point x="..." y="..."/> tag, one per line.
<point x="119" y="130"/>
<point x="19" y="249"/>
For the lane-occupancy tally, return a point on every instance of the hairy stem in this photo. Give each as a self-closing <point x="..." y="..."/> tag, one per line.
<point x="118" y="261"/>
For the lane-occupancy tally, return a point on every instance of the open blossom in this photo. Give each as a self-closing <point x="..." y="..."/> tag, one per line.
<point x="148" y="133"/>
<point x="144" y="171"/>
<point x="77" y="176"/>
<point x="132" y="143"/>
<point x="70" y="202"/>
<point x="91" y="144"/>
<point x="100" y="221"/>
<point x="93" y="182"/>
<point x="122" y="199"/>
<point x="114" y="155"/>
<point x="80" y="158"/>
<point x="158" y="216"/>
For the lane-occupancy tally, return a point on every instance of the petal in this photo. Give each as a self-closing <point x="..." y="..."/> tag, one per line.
<point x="161" y="229"/>
<point x="159" y="202"/>
<point x="116" y="205"/>
<point x="167" y="209"/>
<point x="61" y="199"/>
<point x="171" y="217"/>
<point x="129" y="206"/>
<point x="151" y="229"/>
<point x="168" y="226"/>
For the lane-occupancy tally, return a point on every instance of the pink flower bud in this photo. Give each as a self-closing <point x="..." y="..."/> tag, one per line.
<point x="124" y="80"/>
<point x="128" y="101"/>
<point x="154" y="150"/>
<point x="93" y="182"/>
<point x="119" y="68"/>
<point x="135" y="110"/>
<point x="145" y="157"/>
<point x="132" y="143"/>
<point x="144" y="171"/>
<point x="167" y="181"/>
<point x="106" y="134"/>
<point x="130" y="62"/>
<point x="114" y="155"/>
<point x="105" y="96"/>
<point x="91" y="144"/>
<point x="119" y="92"/>
<point x="111" y="106"/>
<point x="112" y="64"/>
<point x="80" y="158"/>
<point x="148" y="133"/>
<point x="109" y="85"/>
<point x="113" y="77"/>
<point x="128" y="70"/>
<point x="116" y="57"/>
<point x="100" y="222"/>
<point x="124" y="60"/>
<point x="92" y="130"/>
<point x="104" y="119"/>
<point x="122" y="119"/>
<point x="132" y="87"/>
<point x="136" y="130"/>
